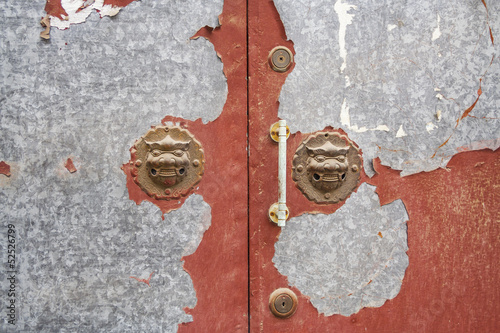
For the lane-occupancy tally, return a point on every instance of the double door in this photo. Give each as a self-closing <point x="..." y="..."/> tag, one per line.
<point x="102" y="244"/>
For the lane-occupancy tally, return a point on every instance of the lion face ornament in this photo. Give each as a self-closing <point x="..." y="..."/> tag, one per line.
<point x="168" y="162"/>
<point x="326" y="167"/>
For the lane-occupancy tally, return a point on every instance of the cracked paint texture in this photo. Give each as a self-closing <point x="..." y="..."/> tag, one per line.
<point x="90" y="92"/>
<point x="353" y="258"/>
<point x="379" y="68"/>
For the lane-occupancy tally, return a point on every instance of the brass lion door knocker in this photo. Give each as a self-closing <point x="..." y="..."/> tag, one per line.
<point x="326" y="167"/>
<point x="168" y="162"/>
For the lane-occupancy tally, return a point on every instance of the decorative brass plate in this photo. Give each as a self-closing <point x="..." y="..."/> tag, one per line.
<point x="283" y="302"/>
<point x="168" y="162"/>
<point x="326" y="167"/>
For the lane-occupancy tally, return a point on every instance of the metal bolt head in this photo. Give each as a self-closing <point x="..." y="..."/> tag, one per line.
<point x="280" y="59"/>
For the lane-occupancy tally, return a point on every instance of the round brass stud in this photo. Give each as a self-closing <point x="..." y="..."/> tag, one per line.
<point x="283" y="303"/>
<point x="280" y="59"/>
<point x="273" y="212"/>
<point x="275" y="132"/>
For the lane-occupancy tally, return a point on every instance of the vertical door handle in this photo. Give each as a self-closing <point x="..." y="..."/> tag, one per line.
<point x="278" y="212"/>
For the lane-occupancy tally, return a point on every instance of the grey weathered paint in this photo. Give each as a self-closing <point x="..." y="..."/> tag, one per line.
<point x="395" y="67"/>
<point x="385" y="66"/>
<point x="76" y="257"/>
<point x="88" y="94"/>
<point x="348" y="260"/>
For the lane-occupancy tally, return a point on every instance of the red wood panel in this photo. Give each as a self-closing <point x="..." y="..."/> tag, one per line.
<point x="265" y="31"/>
<point x="453" y="231"/>
<point x="219" y="267"/>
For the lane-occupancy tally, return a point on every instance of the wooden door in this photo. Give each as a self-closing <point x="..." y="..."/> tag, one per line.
<point x="408" y="251"/>
<point x="412" y="86"/>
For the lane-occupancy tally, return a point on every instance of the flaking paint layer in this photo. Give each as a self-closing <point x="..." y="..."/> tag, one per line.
<point x="362" y="75"/>
<point x="353" y="258"/>
<point x="89" y="93"/>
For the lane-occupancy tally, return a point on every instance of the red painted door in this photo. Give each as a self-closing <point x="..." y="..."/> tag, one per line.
<point x="412" y="249"/>
<point x="450" y="283"/>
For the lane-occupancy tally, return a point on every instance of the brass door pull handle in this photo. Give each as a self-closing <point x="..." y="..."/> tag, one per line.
<point x="278" y="212"/>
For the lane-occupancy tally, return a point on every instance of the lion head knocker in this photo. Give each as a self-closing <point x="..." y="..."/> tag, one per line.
<point x="168" y="162"/>
<point x="326" y="167"/>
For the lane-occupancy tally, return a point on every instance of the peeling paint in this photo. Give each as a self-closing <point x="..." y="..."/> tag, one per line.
<point x="453" y="232"/>
<point x="146" y="281"/>
<point x="401" y="132"/>
<point x="394" y="77"/>
<point x="69" y="165"/>
<point x="464" y="114"/>
<point x="478" y="145"/>
<point x="345" y="119"/>
<point x="54" y="8"/>
<point x="167" y="85"/>
<point x="45" y="23"/>
<point x="488" y="21"/>
<point x="469" y="109"/>
<point x="430" y="127"/>
<point x="439" y="114"/>
<point x="437" y="32"/>
<point x="345" y="18"/>
<point x="77" y="11"/>
<point x="116" y="218"/>
<point x="89" y="93"/>
<point x="5" y="169"/>
<point x="353" y="258"/>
